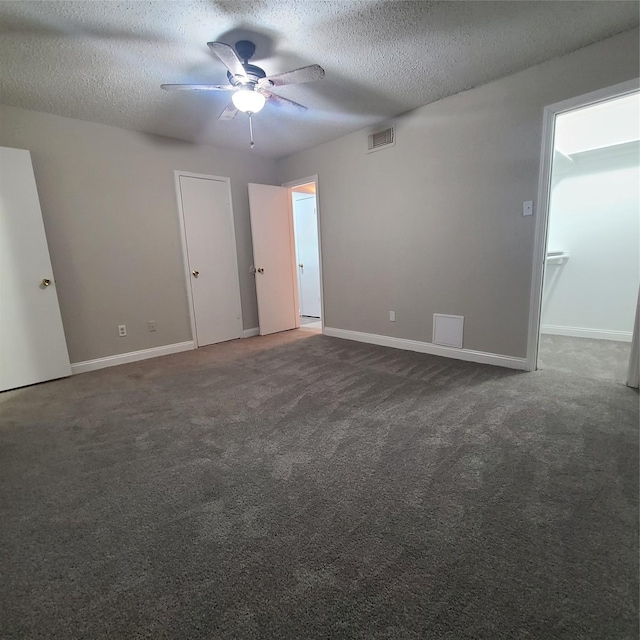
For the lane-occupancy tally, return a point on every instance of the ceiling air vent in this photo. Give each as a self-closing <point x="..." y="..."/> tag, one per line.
<point x="382" y="139"/>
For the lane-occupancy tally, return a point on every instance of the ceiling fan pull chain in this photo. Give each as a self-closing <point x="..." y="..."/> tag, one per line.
<point x="251" y="143"/>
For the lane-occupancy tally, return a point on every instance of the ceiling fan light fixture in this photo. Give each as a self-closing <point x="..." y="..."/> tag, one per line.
<point x="248" y="100"/>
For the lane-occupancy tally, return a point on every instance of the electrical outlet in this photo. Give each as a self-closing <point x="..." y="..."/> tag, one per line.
<point x="122" y="330"/>
<point x="392" y="316"/>
<point x="152" y="325"/>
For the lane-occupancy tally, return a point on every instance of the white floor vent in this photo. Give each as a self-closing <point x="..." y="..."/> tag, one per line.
<point x="448" y="330"/>
<point x="382" y="139"/>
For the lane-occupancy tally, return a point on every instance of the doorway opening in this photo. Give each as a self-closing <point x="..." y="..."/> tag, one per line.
<point x="304" y="206"/>
<point x="287" y="254"/>
<point x="591" y="266"/>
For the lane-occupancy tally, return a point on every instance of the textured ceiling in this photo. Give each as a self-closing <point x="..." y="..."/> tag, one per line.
<point x="104" y="61"/>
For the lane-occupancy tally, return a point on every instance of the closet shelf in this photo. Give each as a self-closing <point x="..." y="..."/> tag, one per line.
<point x="557" y="257"/>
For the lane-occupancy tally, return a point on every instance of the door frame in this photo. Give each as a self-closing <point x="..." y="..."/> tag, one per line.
<point x="290" y="186"/>
<point x="544" y="196"/>
<point x="185" y="253"/>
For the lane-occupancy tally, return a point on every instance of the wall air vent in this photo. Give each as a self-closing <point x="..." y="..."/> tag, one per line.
<point x="382" y="139"/>
<point x="448" y="330"/>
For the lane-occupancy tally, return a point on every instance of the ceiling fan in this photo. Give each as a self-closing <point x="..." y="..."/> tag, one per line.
<point x="250" y="84"/>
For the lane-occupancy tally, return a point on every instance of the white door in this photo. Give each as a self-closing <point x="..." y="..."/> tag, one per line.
<point x="273" y="257"/>
<point x="32" y="342"/>
<point x="306" y="225"/>
<point x="211" y="257"/>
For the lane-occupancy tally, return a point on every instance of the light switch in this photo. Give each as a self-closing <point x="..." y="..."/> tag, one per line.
<point x="527" y="208"/>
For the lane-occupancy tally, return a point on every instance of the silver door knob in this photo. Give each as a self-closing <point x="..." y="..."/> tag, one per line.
<point x="260" y="270"/>
<point x="195" y="274"/>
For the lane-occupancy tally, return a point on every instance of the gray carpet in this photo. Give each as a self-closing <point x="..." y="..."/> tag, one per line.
<point x="597" y="359"/>
<point x="300" y="486"/>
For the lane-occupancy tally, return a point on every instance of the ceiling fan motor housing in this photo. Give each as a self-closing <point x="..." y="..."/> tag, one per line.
<point x="253" y="73"/>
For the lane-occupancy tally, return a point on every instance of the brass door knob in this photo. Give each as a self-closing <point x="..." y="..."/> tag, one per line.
<point x="46" y="282"/>
<point x="195" y="274"/>
<point x="260" y="270"/>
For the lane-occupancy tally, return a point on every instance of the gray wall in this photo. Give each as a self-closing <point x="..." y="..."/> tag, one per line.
<point x="434" y="224"/>
<point x="109" y="207"/>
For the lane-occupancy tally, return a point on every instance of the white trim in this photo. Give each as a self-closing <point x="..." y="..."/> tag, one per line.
<point x="249" y="333"/>
<point x="294" y="258"/>
<point x="132" y="356"/>
<point x="301" y="181"/>
<point x="580" y="332"/>
<point x="540" y="240"/>
<point x="544" y="187"/>
<point x="297" y="183"/>
<point x="426" y="347"/>
<point x="593" y="97"/>
<point x="185" y="254"/>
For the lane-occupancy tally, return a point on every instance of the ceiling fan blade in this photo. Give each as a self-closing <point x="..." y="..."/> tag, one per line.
<point x="229" y="113"/>
<point x="297" y="76"/>
<point x="229" y="58"/>
<point x="197" y="87"/>
<point x="280" y="101"/>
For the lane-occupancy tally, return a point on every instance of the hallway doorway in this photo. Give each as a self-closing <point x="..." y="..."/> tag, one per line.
<point x="306" y="238"/>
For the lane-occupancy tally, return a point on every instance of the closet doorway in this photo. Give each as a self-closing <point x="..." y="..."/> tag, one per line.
<point x="591" y="264"/>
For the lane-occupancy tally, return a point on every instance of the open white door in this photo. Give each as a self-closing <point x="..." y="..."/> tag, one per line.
<point x="273" y="257"/>
<point x="32" y="343"/>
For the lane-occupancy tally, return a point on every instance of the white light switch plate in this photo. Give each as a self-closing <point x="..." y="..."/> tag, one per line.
<point x="527" y="208"/>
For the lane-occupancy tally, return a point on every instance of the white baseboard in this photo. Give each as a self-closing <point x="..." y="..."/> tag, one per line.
<point x="249" y="333"/>
<point x="133" y="356"/>
<point x="427" y="347"/>
<point x="579" y="332"/>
